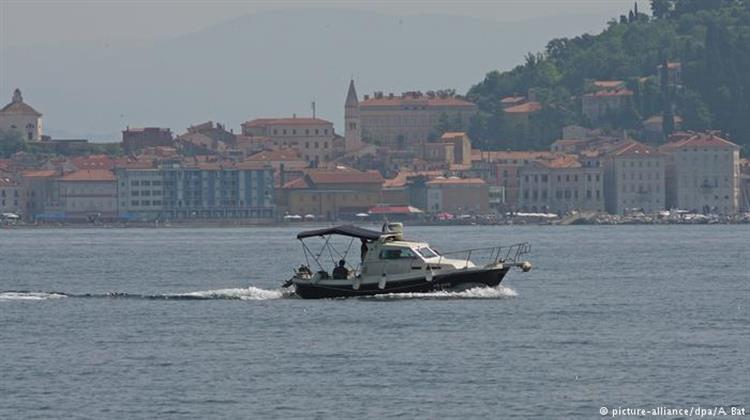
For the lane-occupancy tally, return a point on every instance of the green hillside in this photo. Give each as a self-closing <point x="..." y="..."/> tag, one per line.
<point x="711" y="38"/>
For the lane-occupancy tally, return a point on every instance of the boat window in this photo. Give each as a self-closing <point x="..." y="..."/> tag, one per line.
<point x="426" y="252"/>
<point x="396" y="253"/>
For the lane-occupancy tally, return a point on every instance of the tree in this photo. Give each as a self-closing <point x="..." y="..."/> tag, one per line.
<point x="660" y="8"/>
<point x="11" y="142"/>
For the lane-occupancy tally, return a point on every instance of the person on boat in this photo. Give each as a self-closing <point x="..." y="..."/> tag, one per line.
<point x="340" y="272"/>
<point x="363" y="249"/>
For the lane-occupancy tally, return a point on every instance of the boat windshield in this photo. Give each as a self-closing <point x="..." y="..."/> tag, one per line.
<point x="427" y="252"/>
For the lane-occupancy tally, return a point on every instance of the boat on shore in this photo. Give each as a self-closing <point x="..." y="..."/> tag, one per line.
<point x="389" y="263"/>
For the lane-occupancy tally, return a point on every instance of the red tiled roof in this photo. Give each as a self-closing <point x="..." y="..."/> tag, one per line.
<point x="477" y="154"/>
<point x="615" y="92"/>
<point x="275" y="154"/>
<point x="93" y="162"/>
<point x="528" y="107"/>
<point x="560" y="162"/>
<point x="635" y="149"/>
<point x="684" y="140"/>
<point x="262" y="122"/>
<point x="19" y="108"/>
<point x="512" y="99"/>
<point x="608" y="84"/>
<point x="89" y="175"/>
<point x="297" y="183"/>
<point x="456" y="181"/>
<point x="421" y="100"/>
<point x="44" y="173"/>
<point x="452" y="134"/>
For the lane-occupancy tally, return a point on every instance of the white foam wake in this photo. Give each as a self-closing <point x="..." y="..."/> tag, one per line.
<point x="482" y="292"/>
<point x="30" y="296"/>
<point x="249" y="293"/>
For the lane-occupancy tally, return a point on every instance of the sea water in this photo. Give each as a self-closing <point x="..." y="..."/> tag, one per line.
<point x="191" y="323"/>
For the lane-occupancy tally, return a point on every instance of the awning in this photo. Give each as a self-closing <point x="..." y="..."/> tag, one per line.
<point x="344" y="230"/>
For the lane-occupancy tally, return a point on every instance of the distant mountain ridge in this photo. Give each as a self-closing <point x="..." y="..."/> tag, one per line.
<point x="271" y="63"/>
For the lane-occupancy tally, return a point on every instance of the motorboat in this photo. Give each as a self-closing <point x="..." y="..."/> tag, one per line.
<point x="389" y="263"/>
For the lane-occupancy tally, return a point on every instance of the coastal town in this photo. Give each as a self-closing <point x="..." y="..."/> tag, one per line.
<point x="398" y="157"/>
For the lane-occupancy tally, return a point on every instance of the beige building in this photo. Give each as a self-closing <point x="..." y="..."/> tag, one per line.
<point x="12" y="196"/>
<point x="312" y="138"/>
<point x="561" y="184"/>
<point x="635" y="179"/>
<point x="596" y="105"/>
<point x="405" y="120"/>
<point x="88" y="193"/>
<point x="20" y="117"/>
<point x="457" y="195"/>
<point x="703" y="173"/>
<point x="331" y="194"/>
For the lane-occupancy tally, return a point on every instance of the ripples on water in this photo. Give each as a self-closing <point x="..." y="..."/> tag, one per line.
<point x="141" y="323"/>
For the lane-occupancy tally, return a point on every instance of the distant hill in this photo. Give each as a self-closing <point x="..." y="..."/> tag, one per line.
<point x="710" y="38"/>
<point x="266" y="64"/>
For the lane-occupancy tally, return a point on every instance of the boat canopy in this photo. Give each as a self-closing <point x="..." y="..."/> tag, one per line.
<point x="343" y="230"/>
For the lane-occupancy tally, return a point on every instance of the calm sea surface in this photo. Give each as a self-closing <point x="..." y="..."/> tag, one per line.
<point x="631" y="316"/>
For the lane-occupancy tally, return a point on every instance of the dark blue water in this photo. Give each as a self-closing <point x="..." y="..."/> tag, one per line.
<point x="611" y="316"/>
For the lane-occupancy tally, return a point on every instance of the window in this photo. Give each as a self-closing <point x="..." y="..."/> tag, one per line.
<point x="135" y="193"/>
<point x="426" y="252"/>
<point x="134" y="183"/>
<point x="134" y="203"/>
<point x="396" y="254"/>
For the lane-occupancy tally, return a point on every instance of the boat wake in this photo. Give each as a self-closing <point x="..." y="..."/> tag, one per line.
<point x="479" y="292"/>
<point x="249" y="293"/>
<point x="256" y="294"/>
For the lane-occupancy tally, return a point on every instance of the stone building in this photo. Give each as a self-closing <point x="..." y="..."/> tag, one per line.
<point x="20" y="117"/>
<point x="332" y="194"/>
<point x="561" y="184"/>
<point x="703" y="173"/>
<point x="406" y="120"/>
<point x="597" y="105"/>
<point x="634" y="179"/>
<point x="457" y="195"/>
<point x="87" y="195"/>
<point x="312" y="138"/>
<point x="136" y="139"/>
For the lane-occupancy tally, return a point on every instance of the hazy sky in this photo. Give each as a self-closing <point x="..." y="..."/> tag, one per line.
<point x="26" y="22"/>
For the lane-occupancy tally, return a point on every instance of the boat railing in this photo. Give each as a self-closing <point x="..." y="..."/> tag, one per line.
<point x="509" y="254"/>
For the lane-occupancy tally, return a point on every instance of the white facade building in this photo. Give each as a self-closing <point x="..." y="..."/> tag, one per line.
<point x="703" y="173"/>
<point x="635" y="179"/>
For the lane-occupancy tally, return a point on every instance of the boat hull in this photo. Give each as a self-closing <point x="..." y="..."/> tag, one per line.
<point x="488" y="277"/>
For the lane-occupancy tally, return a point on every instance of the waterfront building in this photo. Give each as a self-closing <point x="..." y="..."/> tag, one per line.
<point x="12" y="195"/>
<point x="703" y="173"/>
<point x="331" y="194"/>
<point x="457" y="195"/>
<point x="312" y="138"/>
<point x="135" y="139"/>
<point x="41" y="192"/>
<point x="406" y="120"/>
<point x="634" y="179"/>
<point x="201" y="189"/>
<point x="87" y="195"/>
<point x="561" y="184"/>
<point x="20" y="117"/>
<point x="500" y="169"/>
